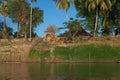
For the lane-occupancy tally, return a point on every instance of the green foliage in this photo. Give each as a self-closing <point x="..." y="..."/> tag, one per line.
<point x="4" y="8"/>
<point x="5" y="32"/>
<point x="4" y="44"/>
<point x="37" y="54"/>
<point x="74" y="28"/>
<point x="63" y="5"/>
<point x="62" y="53"/>
<point x="115" y="13"/>
<point x="37" y="17"/>
<point x="84" y="52"/>
<point x="6" y="51"/>
<point x="95" y="12"/>
<point x="15" y="7"/>
<point x="19" y="12"/>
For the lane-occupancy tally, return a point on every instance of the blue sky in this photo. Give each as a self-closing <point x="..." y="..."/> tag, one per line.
<point x="51" y="16"/>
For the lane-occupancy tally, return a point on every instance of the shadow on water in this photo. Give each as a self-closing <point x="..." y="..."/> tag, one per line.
<point x="59" y="71"/>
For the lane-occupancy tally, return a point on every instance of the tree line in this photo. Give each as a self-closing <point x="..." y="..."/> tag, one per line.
<point x="19" y="11"/>
<point x="96" y="16"/>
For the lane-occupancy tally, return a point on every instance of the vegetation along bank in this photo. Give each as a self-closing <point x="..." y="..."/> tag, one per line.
<point x="90" y="52"/>
<point x="21" y="50"/>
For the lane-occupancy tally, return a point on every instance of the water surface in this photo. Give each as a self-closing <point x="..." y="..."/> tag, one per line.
<point x="59" y="71"/>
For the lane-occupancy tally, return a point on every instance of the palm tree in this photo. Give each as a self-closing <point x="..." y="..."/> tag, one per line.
<point x="98" y="5"/>
<point x="3" y="11"/>
<point x="31" y="10"/>
<point x="18" y="10"/>
<point x="63" y="5"/>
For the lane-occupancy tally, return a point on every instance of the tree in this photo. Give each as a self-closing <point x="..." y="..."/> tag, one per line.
<point x="18" y="12"/>
<point x="31" y="11"/>
<point x="98" y="5"/>
<point x="4" y="12"/>
<point x="111" y="20"/>
<point x="23" y="9"/>
<point x="37" y="18"/>
<point x="115" y="13"/>
<point x="63" y="5"/>
<point x="99" y="8"/>
<point x="7" y="33"/>
<point x="74" y="29"/>
<point x="87" y="19"/>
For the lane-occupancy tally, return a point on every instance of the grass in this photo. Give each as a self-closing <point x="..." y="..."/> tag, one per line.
<point x="85" y="52"/>
<point x="36" y="54"/>
<point x="6" y="51"/>
<point x="5" y="44"/>
<point x="89" y="52"/>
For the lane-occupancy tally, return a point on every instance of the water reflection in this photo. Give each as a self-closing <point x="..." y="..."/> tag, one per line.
<point x="55" y="71"/>
<point x="15" y="71"/>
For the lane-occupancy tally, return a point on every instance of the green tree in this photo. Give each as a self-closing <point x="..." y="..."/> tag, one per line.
<point x="114" y="15"/>
<point x="112" y="19"/>
<point x="74" y="29"/>
<point x="4" y="12"/>
<point x="31" y="11"/>
<point x="8" y="32"/>
<point x="98" y="5"/>
<point x="87" y="19"/>
<point x="99" y="8"/>
<point x="18" y="11"/>
<point x="63" y="5"/>
<point x="37" y="18"/>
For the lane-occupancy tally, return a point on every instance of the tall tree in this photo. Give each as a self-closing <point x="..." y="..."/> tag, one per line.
<point x="97" y="6"/>
<point x="93" y="9"/>
<point x="8" y="32"/>
<point x="63" y="5"/>
<point x="115" y="13"/>
<point x="87" y="20"/>
<point x="31" y="11"/>
<point x="18" y="11"/>
<point x="4" y="12"/>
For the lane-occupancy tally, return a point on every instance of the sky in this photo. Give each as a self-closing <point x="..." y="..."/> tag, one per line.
<point x="52" y="15"/>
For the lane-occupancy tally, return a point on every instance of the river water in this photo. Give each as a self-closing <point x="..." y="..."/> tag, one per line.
<point x="59" y="71"/>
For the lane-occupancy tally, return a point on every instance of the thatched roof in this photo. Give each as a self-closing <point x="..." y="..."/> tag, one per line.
<point x="78" y="33"/>
<point x="83" y="33"/>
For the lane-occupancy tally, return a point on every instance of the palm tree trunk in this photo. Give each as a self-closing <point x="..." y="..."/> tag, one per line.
<point x="18" y="30"/>
<point x="25" y="35"/>
<point x="31" y="23"/>
<point x="96" y="22"/>
<point x="4" y="28"/>
<point x="66" y="16"/>
<point x="4" y="24"/>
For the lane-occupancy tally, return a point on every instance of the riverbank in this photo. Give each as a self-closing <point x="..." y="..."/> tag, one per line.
<point x="105" y="49"/>
<point x="91" y="52"/>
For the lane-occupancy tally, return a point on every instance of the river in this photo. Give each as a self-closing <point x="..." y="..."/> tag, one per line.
<point x="59" y="71"/>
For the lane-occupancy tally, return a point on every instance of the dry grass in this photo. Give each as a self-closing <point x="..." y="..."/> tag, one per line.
<point x="108" y="40"/>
